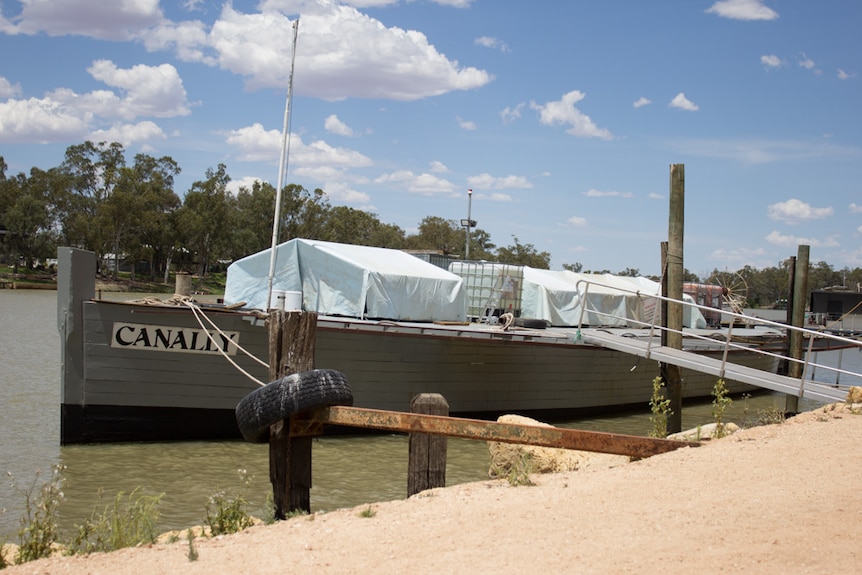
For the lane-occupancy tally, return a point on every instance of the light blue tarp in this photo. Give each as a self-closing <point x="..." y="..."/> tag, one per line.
<point x="349" y="280"/>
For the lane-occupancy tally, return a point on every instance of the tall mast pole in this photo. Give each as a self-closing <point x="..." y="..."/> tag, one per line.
<point x="282" y="166"/>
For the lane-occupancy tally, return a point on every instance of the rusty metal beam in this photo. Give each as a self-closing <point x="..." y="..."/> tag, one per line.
<point x="631" y="445"/>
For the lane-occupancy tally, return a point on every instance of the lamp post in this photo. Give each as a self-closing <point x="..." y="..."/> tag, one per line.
<point x="467" y="224"/>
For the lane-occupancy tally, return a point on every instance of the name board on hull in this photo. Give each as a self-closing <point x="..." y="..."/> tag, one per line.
<point x="173" y="339"/>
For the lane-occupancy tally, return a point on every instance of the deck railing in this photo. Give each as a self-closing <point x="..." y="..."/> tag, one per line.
<point x="813" y="336"/>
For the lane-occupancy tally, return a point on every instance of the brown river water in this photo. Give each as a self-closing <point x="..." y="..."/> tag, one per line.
<point x="348" y="471"/>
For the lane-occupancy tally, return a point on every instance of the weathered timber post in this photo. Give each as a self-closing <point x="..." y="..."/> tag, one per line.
<point x="673" y="279"/>
<point x="291" y="350"/>
<point x="797" y="319"/>
<point x="427" y="454"/>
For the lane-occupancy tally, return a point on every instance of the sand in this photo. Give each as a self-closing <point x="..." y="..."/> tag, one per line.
<point x="783" y="498"/>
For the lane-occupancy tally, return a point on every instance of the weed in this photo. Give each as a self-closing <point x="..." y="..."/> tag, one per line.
<point x="193" y="553"/>
<point x="128" y="521"/>
<point x="367" y="512"/>
<point x="39" y="524"/>
<point x="521" y="470"/>
<point x="227" y="513"/>
<point x="720" y="403"/>
<point x="295" y="513"/>
<point x="660" y="408"/>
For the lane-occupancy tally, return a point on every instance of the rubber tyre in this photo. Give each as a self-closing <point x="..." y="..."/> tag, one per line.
<point x="288" y="396"/>
<point x="530" y="323"/>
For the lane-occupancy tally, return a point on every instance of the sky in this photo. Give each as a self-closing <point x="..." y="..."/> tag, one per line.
<point x="563" y="118"/>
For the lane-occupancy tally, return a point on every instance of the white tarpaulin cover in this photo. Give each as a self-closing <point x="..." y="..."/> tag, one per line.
<point x="349" y="280"/>
<point x="556" y="296"/>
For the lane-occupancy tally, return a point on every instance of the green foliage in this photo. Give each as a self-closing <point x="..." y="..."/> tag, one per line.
<point x="39" y="523"/>
<point x="525" y="255"/>
<point x="520" y="472"/>
<point x="660" y="408"/>
<point x="368" y="512"/>
<point x="720" y="403"/>
<point x="226" y="513"/>
<point x="129" y="521"/>
<point x="193" y="553"/>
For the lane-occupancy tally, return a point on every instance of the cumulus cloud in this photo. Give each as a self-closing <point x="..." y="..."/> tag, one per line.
<point x="842" y="75"/>
<point x="468" y="125"/>
<point x="97" y="19"/>
<point x="577" y="221"/>
<point x="488" y="182"/>
<point x="255" y="144"/>
<point x="563" y="111"/>
<point x="742" y="10"/>
<point x="510" y="114"/>
<point x="41" y="121"/>
<point x="494" y="43"/>
<point x="785" y="241"/>
<point x="612" y="194"/>
<point x="335" y="126"/>
<point x="439" y="167"/>
<point x="641" y="102"/>
<point x="771" y="61"/>
<point x="8" y="89"/>
<point x="795" y="211"/>
<point x="806" y="62"/>
<point x="155" y="91"/>
<point x="128" y="134"/>
<point x="855" y="208"/>
<point x="425" y="184"/>
<point x="681" y="102"/>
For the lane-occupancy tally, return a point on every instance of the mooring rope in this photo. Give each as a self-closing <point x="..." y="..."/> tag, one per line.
<point x="195" y="311"/>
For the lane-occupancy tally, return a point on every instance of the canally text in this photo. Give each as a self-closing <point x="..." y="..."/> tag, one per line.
<point x="174" y="339"/>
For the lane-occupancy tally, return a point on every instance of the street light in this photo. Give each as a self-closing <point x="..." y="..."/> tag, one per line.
<point x="467" y="224"/>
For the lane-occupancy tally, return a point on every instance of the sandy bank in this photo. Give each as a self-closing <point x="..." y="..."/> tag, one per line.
<point x="777" y="499"/>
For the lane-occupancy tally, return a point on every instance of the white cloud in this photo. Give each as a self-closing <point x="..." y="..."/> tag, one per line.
<point x="600" y="194"/>
<point x="41" y="121"/>
<point x="255" y="144"/>
<point x="468" y="125"/>
<point x="489" y="42"/>
<point x="489" y="182"/>
<point x="246" y="182"/>
<point x="340" y="192"/>
<point x="335" y="126"/>
<point x="94" y="18"/>
<point x="563" y="111"/>
<point x="439" y="167"/>
<point x="808" y="64"/>
<point x="681" y="102"/>
<point x="795" y="211"/>
<point x="855" y="208"/>
<point x="577" y="221"/>
<point x="655" y="196"/>
<point x="425" y="184"/>
<point x="155" y="91"/>
<point x="842" y="75"/>
<point x="781" y="240"/>
<point x="641" y="102"/>
<point x="764" y="151"/>
<point x="497" y="197"/>
<point x="509" y="115"/>
<point x="128" y="134"/>
<point x="344" y="53"/>
<point x="742" y="10"/>
<point x="771" y="61"/>
<point x="8" y="89"/>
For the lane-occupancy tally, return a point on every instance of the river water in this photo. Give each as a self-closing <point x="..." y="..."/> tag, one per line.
<point x="348" y="471"/>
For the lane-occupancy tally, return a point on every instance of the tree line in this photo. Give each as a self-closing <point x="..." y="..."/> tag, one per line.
<point x="96" y="200"/>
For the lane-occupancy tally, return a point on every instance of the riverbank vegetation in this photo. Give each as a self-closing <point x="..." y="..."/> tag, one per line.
<point x="129" y="214"/>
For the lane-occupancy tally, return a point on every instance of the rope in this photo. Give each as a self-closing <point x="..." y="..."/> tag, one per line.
<point x="195" y="311"/>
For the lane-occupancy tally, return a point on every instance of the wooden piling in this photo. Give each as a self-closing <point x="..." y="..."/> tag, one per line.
<point x="426" y="468"/>
<point x="797" y="314"/>
<point x="674" y="276"/>
<point x="291" y="350"/>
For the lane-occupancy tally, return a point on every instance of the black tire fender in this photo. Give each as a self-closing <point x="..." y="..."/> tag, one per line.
<point x="288" y="396"/>
<point x="530" y="323"/>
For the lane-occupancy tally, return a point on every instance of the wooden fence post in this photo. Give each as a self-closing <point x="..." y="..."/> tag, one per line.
<point x="291" y="350"/>
<point x="427" y="453"/>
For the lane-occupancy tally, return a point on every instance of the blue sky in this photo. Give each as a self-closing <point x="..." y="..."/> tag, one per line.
<point x="562" y="117"/>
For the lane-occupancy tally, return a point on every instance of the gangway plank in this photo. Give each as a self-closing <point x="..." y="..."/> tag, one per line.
<point x="813" y="390"/>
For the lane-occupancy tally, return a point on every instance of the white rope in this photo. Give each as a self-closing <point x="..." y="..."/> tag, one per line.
<point x="195" y="309"/>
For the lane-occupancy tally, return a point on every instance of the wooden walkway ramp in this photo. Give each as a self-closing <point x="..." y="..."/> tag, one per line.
<point x="810" y="390"/>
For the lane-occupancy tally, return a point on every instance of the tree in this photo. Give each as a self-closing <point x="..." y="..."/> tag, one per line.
<point x="525" y="255"/>
<point x="26" y="218"/>
<point x="204" y="218"/>
<point x="575" y="267"/>
<point x="252" y="220"/>
<point x="436" y="233"/>
<point x="350" y="226"/>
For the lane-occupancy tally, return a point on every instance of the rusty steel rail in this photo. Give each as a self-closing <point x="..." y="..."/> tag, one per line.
<point x="311" y="423"/>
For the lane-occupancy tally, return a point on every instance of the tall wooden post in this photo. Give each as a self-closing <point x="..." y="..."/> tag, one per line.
<point x="800" y="290"/>
<point x="674" y="276"/>
<point x="427" y="453"/>
<point x="291" y="350"/>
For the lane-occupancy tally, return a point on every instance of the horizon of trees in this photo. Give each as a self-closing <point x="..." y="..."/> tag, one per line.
<point x="98" y="201"/>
